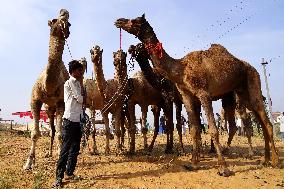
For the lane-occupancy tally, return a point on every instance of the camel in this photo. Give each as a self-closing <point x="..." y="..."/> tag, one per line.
<point x="134" y="90"/>
<point x="141" y="55"/>
<point x="107" y="89"/>
<point x="204" y="76"/>
<point x="48" y="88"/>
<point x="167" y="89"/>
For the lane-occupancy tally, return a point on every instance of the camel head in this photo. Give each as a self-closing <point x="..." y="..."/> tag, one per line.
<point x="119" y="61"/>
<point x="138" y="26"/>
<point x="60" y="27"/>
<point x="96" y="54"/>
<point x="83" y="61"/>
<point x="138" y="51"/>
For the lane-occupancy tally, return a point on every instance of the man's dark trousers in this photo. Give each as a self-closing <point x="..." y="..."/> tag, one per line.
<point x="71" y="138"/>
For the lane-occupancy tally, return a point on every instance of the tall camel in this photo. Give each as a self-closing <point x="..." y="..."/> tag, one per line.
<point x="203" y="76"/>
<point x="168" y="90"/>
<point x="107" y="90"/>
<point x="135" y="88"/>
<point x="141" y="55"/>
<point x="48" y="88"/>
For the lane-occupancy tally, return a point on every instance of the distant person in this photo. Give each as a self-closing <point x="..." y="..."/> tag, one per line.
<point x="239" y="125"/>
<point x="282" y="126"/>
<point x="202" y="123"/>
<point x="218" y="122"/>
<point x="162" y="124"/>
<point x="71" y="133"/>
<point x="183" y="123"/>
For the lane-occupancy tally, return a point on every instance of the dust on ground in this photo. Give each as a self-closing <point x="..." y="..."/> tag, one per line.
<point x="143" y="170"/>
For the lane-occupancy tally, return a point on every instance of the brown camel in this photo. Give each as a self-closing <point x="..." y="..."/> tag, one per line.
<point x="203" y="76"/>
<point x="48" y="88"/>
<point x="112" y="103"/>
<point x="168" y="90"/>
<point x="134" y="93"/>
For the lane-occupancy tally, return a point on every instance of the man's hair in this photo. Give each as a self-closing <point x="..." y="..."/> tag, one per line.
<point x="73" y="65"/>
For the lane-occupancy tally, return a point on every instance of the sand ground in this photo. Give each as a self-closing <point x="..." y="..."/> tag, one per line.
<point x="155" y="170"/>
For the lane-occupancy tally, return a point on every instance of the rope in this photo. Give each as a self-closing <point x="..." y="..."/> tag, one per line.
<point x="66" y="39"/>
<point x="120" y="38"/>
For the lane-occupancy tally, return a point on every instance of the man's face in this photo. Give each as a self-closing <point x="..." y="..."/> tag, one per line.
<point x="78" y="73"/>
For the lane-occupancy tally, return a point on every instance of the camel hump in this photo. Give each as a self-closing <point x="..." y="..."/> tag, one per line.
<point x="218" y="47"/>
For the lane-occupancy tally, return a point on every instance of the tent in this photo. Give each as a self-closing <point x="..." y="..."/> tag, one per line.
<point x="43" y="115"/>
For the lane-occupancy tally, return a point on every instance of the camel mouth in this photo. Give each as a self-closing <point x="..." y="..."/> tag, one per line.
<point x="121" y="22"/>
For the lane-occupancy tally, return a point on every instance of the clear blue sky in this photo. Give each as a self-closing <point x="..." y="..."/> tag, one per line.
<point x="181" y="25"/>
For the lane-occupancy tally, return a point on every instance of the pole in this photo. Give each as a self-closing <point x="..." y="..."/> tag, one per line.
<point x="264" y="63"/>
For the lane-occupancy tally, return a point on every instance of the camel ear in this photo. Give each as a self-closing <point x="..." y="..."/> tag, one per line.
<point x="143" y="15"/>
<point x="102" y="50"/>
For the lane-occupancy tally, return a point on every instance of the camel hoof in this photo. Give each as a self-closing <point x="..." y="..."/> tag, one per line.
<point x="130" y="153"/>
<point x="150" y="148"/>
<point x="191" y="167"/>
<point x="225" y="151"/>
<point x="95" y="152"/>
<point x="212" y="151"/>
<point x="225" y="172"/>
<point x="169" y="151"/>
<point x="35" y="134"/>
<point x="276" y="162"/>
<point x="265" y="162"/>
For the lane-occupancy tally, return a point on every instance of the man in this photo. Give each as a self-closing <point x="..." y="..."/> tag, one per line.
<point x="162" y="124"/>
<point x="71" y="134"/>
<point x="282" y="126"/>
<point x="202" y="123"/>
<point x="183" y="122"/>
<point x="239" y="125"/>
<point x="218" y="122"/>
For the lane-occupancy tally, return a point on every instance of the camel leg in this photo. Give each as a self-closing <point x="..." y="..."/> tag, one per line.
<point x="144" y="130"/>
<point x="247" y="125"/>
<point x="178" y="125"/>
<point x="94" y="150"/>
<point x="170" y="127"/>
<point x="132" y="127"/>
<point x="229" y="106"/>
<point x="59" y="115"/>
<point x="107" y="131"/>
<point x="123" y="130"/>
<point x="207" y="106"/>
<point x="256" y="104"/>
<point x="117" y="123"/>
<point x="191" y="106"/>
<point x="51" y="116"/>
<point x="35" y="107"/>
<point x="156" y="111"/>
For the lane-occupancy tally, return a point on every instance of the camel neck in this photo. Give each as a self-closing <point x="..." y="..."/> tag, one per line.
<point x="121" y="73"/>
<point x="54" y="66"/>
<point x="100" y="78"/>
<point x="167" y="66"/>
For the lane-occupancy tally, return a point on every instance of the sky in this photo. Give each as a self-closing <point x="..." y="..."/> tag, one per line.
<point x="249" y="29"/>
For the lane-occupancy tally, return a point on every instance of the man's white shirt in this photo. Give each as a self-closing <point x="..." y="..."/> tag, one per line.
<point x="73" y="100"/>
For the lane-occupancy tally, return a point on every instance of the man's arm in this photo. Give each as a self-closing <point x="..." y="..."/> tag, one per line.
<point x="75" y="93"/>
